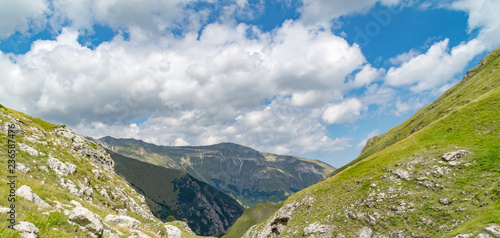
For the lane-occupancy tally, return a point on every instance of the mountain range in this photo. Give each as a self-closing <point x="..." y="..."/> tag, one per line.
<point x="248" y="175"/>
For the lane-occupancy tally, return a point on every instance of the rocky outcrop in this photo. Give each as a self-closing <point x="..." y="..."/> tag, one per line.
<point x="122" y="221"/>
<point x="85" y="148"/>
<point x="28" y="149"/>
<point x="26" y="193"/>
<point x="61" y="168"/>
<point x="318" y="230"/>
<point x="26" y="230"/>
<point x="87" y="220"/>
<point x="455" y="155"/>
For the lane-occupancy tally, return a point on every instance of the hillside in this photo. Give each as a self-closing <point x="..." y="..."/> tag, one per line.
<point x="435" y="175"/>
<point x="66" y="186"/>
<point x="246" y="174"/>
<point x="250" y="217"/>
<point x="171" y="192"/>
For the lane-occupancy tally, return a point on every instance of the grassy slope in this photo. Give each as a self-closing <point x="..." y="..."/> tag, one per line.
<point x="465" y="117"/>
<point x="477" y="82"/>
<point x="55" y="223"/>
<point x="250" y="217"/>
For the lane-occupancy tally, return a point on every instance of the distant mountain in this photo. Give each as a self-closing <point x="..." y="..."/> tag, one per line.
<point x="435" y="175"/>
<point x="171" y="192"/>
<point x="248" y="175"/>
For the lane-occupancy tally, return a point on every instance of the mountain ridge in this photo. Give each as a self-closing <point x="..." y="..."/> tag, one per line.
<point x="248" y="175"/>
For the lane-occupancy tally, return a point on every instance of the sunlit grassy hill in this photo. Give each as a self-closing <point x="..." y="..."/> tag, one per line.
<point x="406" y="183"/>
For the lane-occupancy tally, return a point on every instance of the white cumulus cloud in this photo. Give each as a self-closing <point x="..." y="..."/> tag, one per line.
<point x="346" y="111"/>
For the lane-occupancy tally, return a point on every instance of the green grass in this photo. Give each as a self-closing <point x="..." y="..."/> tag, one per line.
<point x="250" y="217"/>
<point x="465" y="117"/>
<point x="477" y="83"/>
<point x="54" y="224"/>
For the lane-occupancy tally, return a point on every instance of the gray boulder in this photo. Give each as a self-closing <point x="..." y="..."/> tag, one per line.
<point x="122" y="221"/>
<point x="26" y="230"/>
<point x="454" y="155"/>
<point x="87" y="219"/>
<point x="365" y="232"/>
<point x="138" y="234"/>
<point x="26" y="193"/>
<point x="173" y="232"/>
<point x="318" y="230"/>
<point x="402" y="174"/>
<point x="22" y="168"/>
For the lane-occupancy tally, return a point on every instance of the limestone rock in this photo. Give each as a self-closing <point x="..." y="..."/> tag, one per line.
<point x="83" y="147"/>
<point x="4" y="209"/>
<point x="173" y="232"/>
<point x="184" y="226"/>
<point x="444" y="201"/>
<point x="73" y="189"/>
<point x="463" y="236"/>
<point x="44" y="168"/>
<point x="318" y="230"/>
<point x="450" y="156"/>
<point x="26" y="192"/>
<point x="60" y="167"/>
<point x="365" y="232"/>
<point x="87" y="219"/>
<point x="402" y="174"/>
<point x="23" y="169"/>
<point x="494" y="230"/>
<point x="28" y="149"/>
<point x="122" y="221"/>
<point x="26" y="230"/>
<point x="483" y="235"/>
<point x="138" y="234"/>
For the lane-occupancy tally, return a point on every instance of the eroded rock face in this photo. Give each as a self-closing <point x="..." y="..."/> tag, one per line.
<point x="26" y="230"/>
<point x="87" y="219"/>
<point x="122" y="221"/>
<point x="84" y="147"/>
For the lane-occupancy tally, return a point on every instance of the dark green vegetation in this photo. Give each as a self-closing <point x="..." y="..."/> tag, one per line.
<point x="170" y="192"/>
<point x="400" y="183"/>
<point x="246" y="174"/>
<point x="250" y="217"/>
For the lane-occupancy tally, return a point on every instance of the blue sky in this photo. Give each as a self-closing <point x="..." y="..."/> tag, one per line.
<point x="301" y="77"/>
